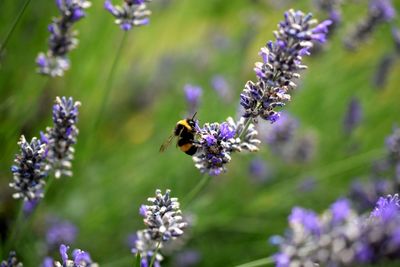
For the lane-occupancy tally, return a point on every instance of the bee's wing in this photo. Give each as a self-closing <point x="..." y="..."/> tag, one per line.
<point x="167" y="142"/>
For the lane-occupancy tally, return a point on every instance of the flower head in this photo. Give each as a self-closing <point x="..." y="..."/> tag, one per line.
<point x="344" y="238"/>
<point x="28" y="171"/>
<point x="193" y="96"/>
<point x="12" y="261"/>
<point x="218" y="140"/>
<point x="393" y="145"/>
<point x="387" y="208"/>
<point x="164" y="222"/>
<point x="130" y="14"/>
<point x="61" y="232"/>
<point x="80" y="258"/>
<point x="62" y="136"/>
<point x="281" y="62"/>
<point x="62" y="38"/>
<point x="163" y="217"/>
<point x="379" y="12"/>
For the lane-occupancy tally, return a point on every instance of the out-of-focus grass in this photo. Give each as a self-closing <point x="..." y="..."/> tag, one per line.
<point x="118" y="166"/>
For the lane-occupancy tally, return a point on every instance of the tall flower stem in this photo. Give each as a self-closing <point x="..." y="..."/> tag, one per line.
<point x="12" y="239"/>
<point x="14" y="25"/>
<point x="153" y="258"/>
<point x="256" y="263"/>
<point x="246" y="126"/>
<point x="109" y="81"/>
<point x="196" y="190"/>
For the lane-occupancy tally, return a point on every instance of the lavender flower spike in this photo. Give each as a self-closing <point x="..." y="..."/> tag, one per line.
<point x="343" y="238"/>
<point x="282" y="60"/>
<point x="131" y="13"/>
<point x="62" y="136"/>
<point x="164" y="222"/>
<point x="163" y="217"/>
<point x="62" y="38"/>
<point x="79" y="258"/>
<point x="12" y="261"/>
<point x="193" y="96"/>
<point x="28" y="171"/>
<point x="217" y="142"/>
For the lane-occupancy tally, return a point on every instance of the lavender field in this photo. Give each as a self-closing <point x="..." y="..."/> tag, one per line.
<point x="199" y="133"/>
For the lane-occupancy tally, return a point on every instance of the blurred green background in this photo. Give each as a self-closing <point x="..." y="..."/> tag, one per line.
<point x="118" y="165"/>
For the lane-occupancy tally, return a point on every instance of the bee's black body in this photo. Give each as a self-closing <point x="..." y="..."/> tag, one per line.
<point x="185" y="131"/>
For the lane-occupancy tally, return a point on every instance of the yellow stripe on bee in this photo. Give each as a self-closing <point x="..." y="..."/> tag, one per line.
<point x="185" y="147"/>
<point x="185" y="123"/>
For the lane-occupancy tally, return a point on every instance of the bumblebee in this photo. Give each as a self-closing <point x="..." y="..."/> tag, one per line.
<point x="185" y="131"/>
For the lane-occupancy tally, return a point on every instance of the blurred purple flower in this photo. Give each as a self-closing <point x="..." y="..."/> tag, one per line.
<point x="307" y="218"/>
<point x="379" y="12"/>
<point x="11" y="261"/>
<point x="383" y="69"/>
<point x="340" y="210"/>
<point x="62" y="38"/>
<point x="221" y="86"/>
<point x="387" y="208"/>
<point x="259" y="170"/>
<point x="353" y="116"/>
<point x="193" y="97"/>
<point x="61" y="232"/>
<point x="187" y="258"/>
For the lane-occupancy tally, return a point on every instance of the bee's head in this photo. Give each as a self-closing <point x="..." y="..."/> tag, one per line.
<point x="192" y="121"/>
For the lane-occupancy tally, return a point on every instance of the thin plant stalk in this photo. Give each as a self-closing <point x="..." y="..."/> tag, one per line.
<point x="153" y="258"/>
<point x="14" y="25"/>
<point x="246" y="126"/>
<point x="196" y="190"/>
<point x="12" y="239"/>
<point x="109" y="81"/>
<point x="257" y="263"/>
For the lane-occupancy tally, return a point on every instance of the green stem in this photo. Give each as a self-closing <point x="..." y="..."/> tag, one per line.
<point x="10" y="244"/>
<point x="14" y="25"/>
<point x="109" y="82"/>
<point x="256" y="263"/>
<point x="153" y="258"/>
<point x="246" y="126"/>
<point x="196" y="190"/>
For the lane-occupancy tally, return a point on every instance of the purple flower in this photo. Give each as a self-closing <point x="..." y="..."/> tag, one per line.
<point x="353" y="116"/>
<point x="281" y="62"/>
<point x="62" y="136"/>
<point x="62" y="38"/>
<point x="79" y="258"/>
<point x="11" y="261"/>
<point x="143" y="210"/>
<point x="383" y="8"/>
<point x="340" y="210"/>
<point x="28" y="171"/>
<point x="221" y="86"/>
<point x="379" y="12"/>
<point x="61" y="232"/>
<point x="48" y="262"/>
<point x="30" y="205"/>
<point x="344" y="237"/>
<point x="218" y="141"/>
<point x="164" y="223"/>
<point x="259" y="170"/>
<point x="387" y="208"/>
<point x="281" y="260"/>
<point x="393" y="145"/>
<point x="130" y="14"/>
<point x="306" y="218"/>
<point x="193" y="96"/>
<point x="187" y="258"/>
